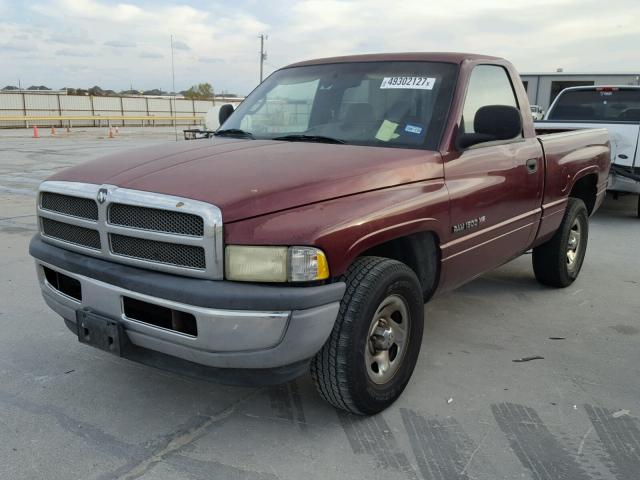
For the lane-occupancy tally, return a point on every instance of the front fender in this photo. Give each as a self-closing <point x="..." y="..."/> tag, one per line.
<point x="345" y="227"/>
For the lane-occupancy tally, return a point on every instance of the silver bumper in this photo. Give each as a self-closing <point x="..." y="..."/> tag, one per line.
<point x="225" y="339"/>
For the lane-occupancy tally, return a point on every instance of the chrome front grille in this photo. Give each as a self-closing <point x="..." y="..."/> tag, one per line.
<point x="68" y="205"/>
<point x="81" y="236"/>
<point x="157" y="220"/>
<point x="162" y="252"/>
<point x="149" y="230"/>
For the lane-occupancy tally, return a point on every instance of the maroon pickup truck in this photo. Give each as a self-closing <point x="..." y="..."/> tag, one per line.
<point x="341" y="195"/>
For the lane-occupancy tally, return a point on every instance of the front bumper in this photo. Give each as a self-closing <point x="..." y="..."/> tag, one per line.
<point x="239" y="326"/>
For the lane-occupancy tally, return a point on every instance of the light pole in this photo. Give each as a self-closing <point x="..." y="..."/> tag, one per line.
<point x="173" y="84"/>
<point x="263" y="54"/>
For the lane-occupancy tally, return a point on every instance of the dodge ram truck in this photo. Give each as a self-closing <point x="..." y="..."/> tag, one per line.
<point x="308" y="232"/>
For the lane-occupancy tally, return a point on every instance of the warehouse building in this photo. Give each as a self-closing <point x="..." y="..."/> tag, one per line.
<point x="542" y="88"/>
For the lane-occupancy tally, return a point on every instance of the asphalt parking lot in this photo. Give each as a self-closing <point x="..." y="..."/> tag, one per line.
<point x="68" y="411"/>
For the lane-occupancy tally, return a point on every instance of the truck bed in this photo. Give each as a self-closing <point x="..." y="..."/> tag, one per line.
<point x="623" y="137"/>
<point x="565" y="153"/>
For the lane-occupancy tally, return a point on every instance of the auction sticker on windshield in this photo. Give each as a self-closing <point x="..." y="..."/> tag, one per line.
<point x="421" y="83"/>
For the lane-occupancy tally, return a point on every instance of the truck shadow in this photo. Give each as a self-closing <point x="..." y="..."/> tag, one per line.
<point x="624" y="207"/>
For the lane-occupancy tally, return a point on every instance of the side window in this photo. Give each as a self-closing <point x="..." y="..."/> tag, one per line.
<point x="488" y="85"/>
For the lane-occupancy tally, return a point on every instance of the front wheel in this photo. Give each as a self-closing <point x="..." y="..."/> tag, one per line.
<point x="368" y="360"/>
<point x="557" y="262"/>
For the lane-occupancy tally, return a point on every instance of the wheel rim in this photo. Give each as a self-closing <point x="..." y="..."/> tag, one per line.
<point x="387" y="340"/>
<point x="574" y="245"/>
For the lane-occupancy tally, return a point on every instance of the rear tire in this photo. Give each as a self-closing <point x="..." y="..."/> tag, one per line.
<point x="370" y="355"/>
<point x="557" y="262"/>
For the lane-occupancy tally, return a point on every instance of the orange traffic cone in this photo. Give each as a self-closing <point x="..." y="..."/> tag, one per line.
<point x="110" y="132"/>
<point x="36" y="133"/>
<point x="53" y="130"/>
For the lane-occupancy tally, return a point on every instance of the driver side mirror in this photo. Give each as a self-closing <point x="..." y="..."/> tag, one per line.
<point x="225" y="112"/>
<point x="491" y="123"/>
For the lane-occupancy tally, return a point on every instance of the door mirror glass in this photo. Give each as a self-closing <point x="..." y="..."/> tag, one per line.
<point x="492" y="123"/>
<point x="500" y="121"/>
<point x="224" y="113"/>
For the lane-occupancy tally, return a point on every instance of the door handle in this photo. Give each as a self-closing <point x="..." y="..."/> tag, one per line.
<point x="532" y="165"/>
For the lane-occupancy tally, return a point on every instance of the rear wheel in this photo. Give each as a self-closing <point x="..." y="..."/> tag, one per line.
<point x="373" y="348"/>
<point x="557" y="262"/>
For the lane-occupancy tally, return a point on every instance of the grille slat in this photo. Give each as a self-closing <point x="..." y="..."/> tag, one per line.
<point x="68" y="205"/>
<point x="74" y="234"/>
<point x="162" y="252"/>
<point x="145" y="218"/>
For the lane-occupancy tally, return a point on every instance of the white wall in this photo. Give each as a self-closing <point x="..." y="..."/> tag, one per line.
<point x="42" y="104"/>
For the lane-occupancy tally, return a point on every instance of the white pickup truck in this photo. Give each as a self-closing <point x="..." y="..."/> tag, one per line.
<point x="616" y="108"/>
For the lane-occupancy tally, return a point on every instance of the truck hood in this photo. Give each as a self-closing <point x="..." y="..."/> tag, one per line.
<point x="247" y="178"/>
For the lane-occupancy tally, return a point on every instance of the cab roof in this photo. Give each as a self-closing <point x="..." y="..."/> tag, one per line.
<point x="445" y="57"/>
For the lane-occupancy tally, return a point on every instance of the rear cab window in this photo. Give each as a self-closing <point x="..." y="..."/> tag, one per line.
<point x="598" y="104"/>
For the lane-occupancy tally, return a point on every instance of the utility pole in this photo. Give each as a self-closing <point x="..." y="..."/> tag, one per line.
<point x="263" y="54"/>
<point x="173" y="83"/>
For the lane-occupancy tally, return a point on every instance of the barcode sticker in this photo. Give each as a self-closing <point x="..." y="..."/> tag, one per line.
<point x="420" y="83"/>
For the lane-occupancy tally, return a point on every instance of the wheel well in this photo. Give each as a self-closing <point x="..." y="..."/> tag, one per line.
<point x="420" y="252"/>
<point x="586" y="190"/>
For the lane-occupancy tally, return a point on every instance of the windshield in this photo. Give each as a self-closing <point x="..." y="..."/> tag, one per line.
<point x="607" y="104"/>
<point x="394" y="104"/>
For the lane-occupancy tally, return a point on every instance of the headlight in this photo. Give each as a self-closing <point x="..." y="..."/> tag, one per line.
<point x="275" y="264"/>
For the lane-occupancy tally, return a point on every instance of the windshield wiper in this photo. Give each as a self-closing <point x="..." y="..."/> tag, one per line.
<point x="308" y="138"/>
<point x="234" y="132"/>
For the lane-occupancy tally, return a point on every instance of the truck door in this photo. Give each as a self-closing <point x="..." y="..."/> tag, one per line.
<point x="495" y="188"/>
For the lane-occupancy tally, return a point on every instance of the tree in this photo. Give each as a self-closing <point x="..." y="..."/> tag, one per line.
<point x="201" y="91"/>
<point x="96" y="91"/>
<point x="155" y="91"/>
<point x="10" y="87"/>
<point x="226" y="94"/>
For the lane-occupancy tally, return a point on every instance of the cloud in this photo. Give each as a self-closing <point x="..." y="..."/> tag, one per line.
<point x="150" y="55"/>
<point x="574" y="34"/>
<point x="210" y="60"/>
<point x="67" y="52"/>
<point x="93" y="10"/>
<point x="179" y="45"/>
<point x="71" y="37"/>
<point x="16" y="47"/>
<point x="119" y="44"/>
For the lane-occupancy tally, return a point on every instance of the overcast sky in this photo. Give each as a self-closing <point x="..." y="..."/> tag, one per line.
<point x="82" y="43"/>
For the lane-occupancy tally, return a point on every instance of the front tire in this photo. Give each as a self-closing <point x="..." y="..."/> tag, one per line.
<point x="370" y="355"/>
<point x="557" y="262"/>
